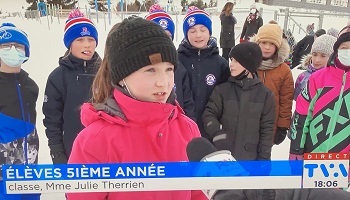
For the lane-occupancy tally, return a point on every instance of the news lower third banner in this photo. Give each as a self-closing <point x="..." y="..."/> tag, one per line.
<point x="316" y="171"/>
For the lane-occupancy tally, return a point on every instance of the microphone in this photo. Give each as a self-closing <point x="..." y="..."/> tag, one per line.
<point x="201" y="150"/>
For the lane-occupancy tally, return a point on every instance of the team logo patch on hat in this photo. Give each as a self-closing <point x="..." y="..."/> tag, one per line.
<point x="84" y="32"/>
<point x="163" y="23"/>
<point x="191" y="21"/>
<point x="5" y="35"/>
<point x="210" y="79"/>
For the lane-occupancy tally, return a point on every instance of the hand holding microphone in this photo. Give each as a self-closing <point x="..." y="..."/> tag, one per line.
<point x="201" y="150"/>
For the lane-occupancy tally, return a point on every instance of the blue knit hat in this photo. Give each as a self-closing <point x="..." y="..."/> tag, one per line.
<point x="159" y="16"/>
<point x="194" y="17"/>
<point x="9" y="33"/>
<point x="78" y="26"/>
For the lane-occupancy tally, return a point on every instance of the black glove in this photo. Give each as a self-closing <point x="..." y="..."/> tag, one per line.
<point x="280" y="135"/>
<point x="58" y="154"/>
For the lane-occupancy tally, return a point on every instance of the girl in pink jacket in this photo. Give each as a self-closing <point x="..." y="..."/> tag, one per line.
<point x="321" y="120"/>
<point x="133" y="116"/>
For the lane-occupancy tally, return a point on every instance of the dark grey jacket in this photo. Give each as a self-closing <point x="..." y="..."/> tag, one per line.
<point x="246" y="110"/>
<point x="227" y="34"/>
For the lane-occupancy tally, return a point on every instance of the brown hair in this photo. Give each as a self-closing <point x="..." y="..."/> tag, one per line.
<point x="102" y="86"/>
<point x="228" y="8"/>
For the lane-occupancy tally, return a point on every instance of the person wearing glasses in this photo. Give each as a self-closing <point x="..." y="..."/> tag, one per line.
<point x="19" y="142"/>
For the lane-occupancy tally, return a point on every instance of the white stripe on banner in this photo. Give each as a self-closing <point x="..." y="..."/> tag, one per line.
<point x="152" y="184"/>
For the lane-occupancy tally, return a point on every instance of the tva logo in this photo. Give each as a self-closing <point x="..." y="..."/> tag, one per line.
<point x="326" y="169"/>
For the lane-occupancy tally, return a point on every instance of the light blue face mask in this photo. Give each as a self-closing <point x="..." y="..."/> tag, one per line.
<point x="344" y="56"/>
<point x="13" y="57"/>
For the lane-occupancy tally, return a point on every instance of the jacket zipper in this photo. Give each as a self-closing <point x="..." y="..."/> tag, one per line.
<point x="85" y="67"/>
<point x="18" y="86"/>
<point x="264" y="76"/>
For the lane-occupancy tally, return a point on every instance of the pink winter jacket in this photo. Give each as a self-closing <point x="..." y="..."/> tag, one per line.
<point x="134" y="131"/>
<point x="321" y="119"/>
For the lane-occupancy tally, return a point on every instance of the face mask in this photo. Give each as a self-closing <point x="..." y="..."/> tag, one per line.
<point x="344" y="56"/>
<point x="12" y="57"/>
<point x="253" y="11"/>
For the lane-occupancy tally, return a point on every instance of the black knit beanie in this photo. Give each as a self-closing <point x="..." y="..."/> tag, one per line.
<point x="248" y="54"/>
<point x="137" y="43"/>
<point x="342" y="38"/>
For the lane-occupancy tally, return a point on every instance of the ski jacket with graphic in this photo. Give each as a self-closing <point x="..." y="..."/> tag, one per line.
<point x="67" y="88"/>
<point x="127" y="130"/>
<point x="206" y="69"/>
<point x="240" y="117"/>
<point x="19" y="141"/>
<point x="321" y="119"/>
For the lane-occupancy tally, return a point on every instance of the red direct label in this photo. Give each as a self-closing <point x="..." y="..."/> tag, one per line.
<point x="326" y="156"/>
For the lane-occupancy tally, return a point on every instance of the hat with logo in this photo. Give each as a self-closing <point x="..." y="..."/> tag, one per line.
<point x="194" y="17"/>
<point x="78" y="26"/>
<point x="10" y="33"/>
<point x="137" y="43"/>
<point x="159" y="16"/>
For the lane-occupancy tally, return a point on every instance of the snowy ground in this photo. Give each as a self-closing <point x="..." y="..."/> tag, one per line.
<point x="47" y="46"/>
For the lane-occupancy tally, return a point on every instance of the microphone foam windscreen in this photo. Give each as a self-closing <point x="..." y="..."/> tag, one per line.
<point x="198" y="148"/>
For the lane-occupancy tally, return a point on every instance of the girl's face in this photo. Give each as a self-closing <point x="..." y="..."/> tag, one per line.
<point x="268" y="49"/>
<point x="235" y="67"/>
<point x="344" y="45"/>
<point x="152" y="83"/>
<point x="83" y="47"/>
<point x="198" y="36"/>
<point x="319" y="60"/>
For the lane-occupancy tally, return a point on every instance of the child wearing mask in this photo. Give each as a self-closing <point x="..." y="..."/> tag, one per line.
<point x="276" y="75"/>
<point x="133" y="116"/>
<point x="199" y="53"/>
<point x="320" y="123"/>
<point x="182" y="82"/>
<point x="244" y="107"/>
<point x="321" y="49"/>
<point x="19" y="142"/>
<point x="69" y="86"/>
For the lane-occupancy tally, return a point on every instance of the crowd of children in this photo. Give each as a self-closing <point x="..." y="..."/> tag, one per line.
<point x="145" y="100"/>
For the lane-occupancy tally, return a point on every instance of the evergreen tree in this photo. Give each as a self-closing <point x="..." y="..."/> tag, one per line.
<point x="101" y="5"/>
<point x="198" y="3"/>
<point x="66" y="4"/>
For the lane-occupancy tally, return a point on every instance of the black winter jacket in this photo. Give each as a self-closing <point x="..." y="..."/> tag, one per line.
<point x="227" y="34"/>
<point x="183" y="91"/>
<point x="246" y="110"/>
<point x="67" y="88"/>
<point x="302" y="48"/>
<point x="251" y="28"/>
<point x="206" y="69"/>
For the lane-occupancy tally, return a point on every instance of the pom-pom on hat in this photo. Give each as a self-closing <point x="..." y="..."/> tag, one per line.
<point x="194" y="17"/>
<point x="77" y="25"/>
<point x="10" y="33"/>
<point x="159" y="16"/>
